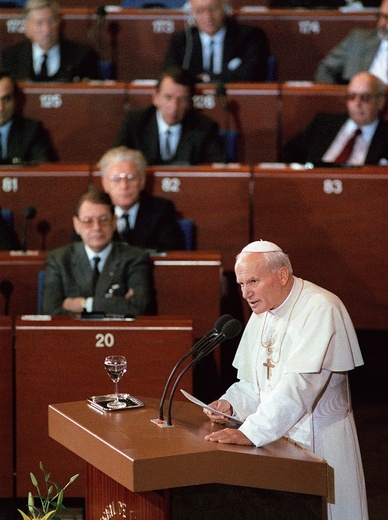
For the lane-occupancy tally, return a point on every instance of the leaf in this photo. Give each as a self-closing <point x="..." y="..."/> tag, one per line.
<point x="33" y="480"/>
<point x="49" y="515"/>
<point x="25" y="517"/>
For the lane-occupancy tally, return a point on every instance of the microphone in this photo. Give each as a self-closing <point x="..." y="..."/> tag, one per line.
<point x="216" y="331"/>
<point x="221" y="96"/>
<point x="29" y="213"/>
<point x="230" y="330"/>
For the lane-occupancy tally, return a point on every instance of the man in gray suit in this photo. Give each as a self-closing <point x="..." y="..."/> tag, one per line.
<point x="96" y="275"/>
<point x="361" y="50"/>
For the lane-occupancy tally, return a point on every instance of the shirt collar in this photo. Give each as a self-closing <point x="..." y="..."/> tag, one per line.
<point x="102" y="254"/>
<point x="217" y="38"/>
<point x="163" y="126"/>
<point x="367" y="130"/>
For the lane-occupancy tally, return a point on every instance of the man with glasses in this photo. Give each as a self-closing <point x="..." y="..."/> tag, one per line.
<point x="142" y="219"/>
<point x="96" y="274"/>
<point x="362" y="49"/>
<point x="358" y="137"/>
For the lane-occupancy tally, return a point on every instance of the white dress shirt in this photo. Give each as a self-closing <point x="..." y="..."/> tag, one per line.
<point x="53" y="59"/>
<point x="218" y="50"/>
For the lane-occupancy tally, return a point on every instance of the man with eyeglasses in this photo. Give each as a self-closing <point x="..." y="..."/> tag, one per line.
<point x="362" y="49"/>
<point x="96" y="274"/>
<point x="357" y="137"/>
<point x="142" y="219"/>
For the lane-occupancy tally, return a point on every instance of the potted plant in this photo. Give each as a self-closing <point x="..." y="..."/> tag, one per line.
<point x="49" y="504"/>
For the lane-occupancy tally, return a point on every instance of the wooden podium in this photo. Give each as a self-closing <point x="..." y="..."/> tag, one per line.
<point x="137" y="469"/>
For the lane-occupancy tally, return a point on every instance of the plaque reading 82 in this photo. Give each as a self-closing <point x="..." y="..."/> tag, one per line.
<point x="171" y="184"/>
<point x="332" y="186"/>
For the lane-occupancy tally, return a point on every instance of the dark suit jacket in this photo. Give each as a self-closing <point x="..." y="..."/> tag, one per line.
<point x="247" y="44"/>
<point x="69" y="274"/>
<point x="8" y="237"/>
<point x="156" y="226"/>
<point x="311" y="144"/>
<point x="199" y="142"/>
<point x="28" y="142"/>
<point x="77" y="62"/>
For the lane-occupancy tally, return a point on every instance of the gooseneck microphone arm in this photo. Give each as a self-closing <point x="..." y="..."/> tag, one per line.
<point x="230" y="330"/>
<point x="222" y="320"/>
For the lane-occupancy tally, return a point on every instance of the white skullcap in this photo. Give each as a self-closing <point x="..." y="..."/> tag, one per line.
<point x="261" y="246"/>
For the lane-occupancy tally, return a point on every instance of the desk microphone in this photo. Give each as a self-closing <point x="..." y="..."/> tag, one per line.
<point x="230" y="330"/>
<point x="202" y="343"/>
<point x="29" y="213"/>
<point x="222" y="98"/>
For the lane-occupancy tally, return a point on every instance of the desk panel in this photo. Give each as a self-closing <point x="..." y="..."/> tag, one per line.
<point x="332" y="224"/>
<point x="301" y="38"/>
<point x="6" y="422"/>
<point x="53" y="190"/>
<point x="63" y="359"/>
<point x="83" y="118"/>
<point x="252" y="111"/>
<point x="19" y="282"/>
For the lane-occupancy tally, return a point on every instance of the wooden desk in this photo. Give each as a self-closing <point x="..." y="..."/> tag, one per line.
<point x="253" y="112"/>
<point x="6" y="422"/>
<point x="129" y="457"/>
<point x="331" y="222"/>
<point x="82" y="118"/>
<point x="54" y="190"/>
<point x="20" y="274"/>
<point x="63" y="359"/>
<point x="301" y="38"/>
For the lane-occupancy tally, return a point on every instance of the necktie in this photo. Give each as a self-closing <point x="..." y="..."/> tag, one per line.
<point x="96" y="273"/>
<point x="127" y="233"/>
<point x="343" y="157"/>
<point x="211" y="57"/>
<point x="167" y="146"/>
<point x="1" y="147"/>
<point x="43" y="69"/>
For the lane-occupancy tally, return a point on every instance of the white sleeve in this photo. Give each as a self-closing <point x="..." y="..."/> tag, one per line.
<point x="243" y="398"/>
<point x="292" y="398"/>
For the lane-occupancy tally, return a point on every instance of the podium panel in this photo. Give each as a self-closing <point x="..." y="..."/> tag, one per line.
<point x="331" y="223"/>
<point x="62" y="359"/>
<point x="82" y="118"/>
<point x="6" y="422"/>
<point x="53" y="190"/>
<point x="19" y="282"/>
<point x="141" y="457"/>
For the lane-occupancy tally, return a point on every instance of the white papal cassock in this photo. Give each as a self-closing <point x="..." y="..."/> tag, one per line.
<point x="307" y="395"/>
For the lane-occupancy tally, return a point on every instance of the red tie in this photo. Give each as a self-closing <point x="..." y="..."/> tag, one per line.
<point x="343" y="157"/>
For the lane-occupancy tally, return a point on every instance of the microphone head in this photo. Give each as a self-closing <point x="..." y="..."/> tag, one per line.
<point x="29" y="212"/>
<point x="231" y="329"/>
<point x="222" y="320"/>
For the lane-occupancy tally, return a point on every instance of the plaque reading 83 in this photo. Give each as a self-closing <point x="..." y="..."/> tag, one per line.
<point x="171" y="184"/>
<point x="332" y="186"/>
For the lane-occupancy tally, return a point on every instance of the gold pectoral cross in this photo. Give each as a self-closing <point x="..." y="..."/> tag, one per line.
<point x="269" y="365"/>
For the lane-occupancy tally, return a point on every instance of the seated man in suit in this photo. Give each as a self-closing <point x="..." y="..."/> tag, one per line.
<point x="356" y="138"/>
<point x="97" y="274"/>
<point x="170" y="131"/>
<point x="45" y="56"/>
<point x="217" y="48"/>
<point x="21" y="140"/>
<point x="362" y="49"/>
<point x="142" y="219"/>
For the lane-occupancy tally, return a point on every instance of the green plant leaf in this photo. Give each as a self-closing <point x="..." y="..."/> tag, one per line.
<point x="33" y="480"/>
<point x="25" y="517"/>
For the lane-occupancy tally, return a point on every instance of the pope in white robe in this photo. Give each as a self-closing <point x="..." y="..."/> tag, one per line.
<point x="292" y="365"/>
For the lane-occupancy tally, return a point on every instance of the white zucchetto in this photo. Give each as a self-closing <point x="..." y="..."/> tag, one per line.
<point x="261" y="246"/>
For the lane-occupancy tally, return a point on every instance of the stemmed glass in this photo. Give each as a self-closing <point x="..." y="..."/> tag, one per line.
<point x="116" y="366"/>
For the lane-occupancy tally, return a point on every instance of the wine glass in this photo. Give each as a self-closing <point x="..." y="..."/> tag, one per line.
<point x="116" y="366"/>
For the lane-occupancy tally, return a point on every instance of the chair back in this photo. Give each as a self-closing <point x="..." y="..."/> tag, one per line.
<point x="188" y="229"/>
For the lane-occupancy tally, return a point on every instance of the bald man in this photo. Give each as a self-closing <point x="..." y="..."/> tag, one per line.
<point x="325" y="138"/>
<point x="292" y="363"/>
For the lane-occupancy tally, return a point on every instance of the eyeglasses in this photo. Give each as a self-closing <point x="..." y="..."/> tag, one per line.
<point x="365" y="98"/>
<point x="88" y="222"/>
<point x="130" y="177"/>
